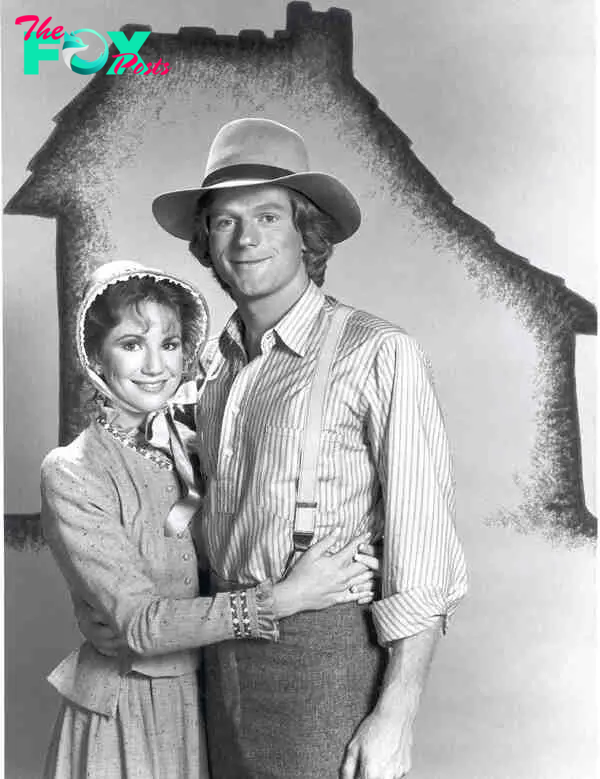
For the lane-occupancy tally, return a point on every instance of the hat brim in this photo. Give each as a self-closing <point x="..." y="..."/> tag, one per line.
<point x="175" y="211"/>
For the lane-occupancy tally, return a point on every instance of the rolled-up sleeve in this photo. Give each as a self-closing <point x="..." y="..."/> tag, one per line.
<point x="424" y="573"/>
<point x="81" y="523"/>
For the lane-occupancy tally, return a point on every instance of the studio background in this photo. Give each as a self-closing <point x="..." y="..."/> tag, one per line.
<point x="497" y="100"/>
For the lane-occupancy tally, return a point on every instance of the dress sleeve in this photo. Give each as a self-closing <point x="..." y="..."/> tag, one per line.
<point x="424" y="573"/>
<point x="81" y="523"/>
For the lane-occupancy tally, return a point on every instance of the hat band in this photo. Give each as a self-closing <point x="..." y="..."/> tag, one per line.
<point x="237" y="172"/>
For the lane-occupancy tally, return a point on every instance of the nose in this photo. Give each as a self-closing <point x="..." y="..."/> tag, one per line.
<point x="153" y="362"/>
<point x="248" y="234"/>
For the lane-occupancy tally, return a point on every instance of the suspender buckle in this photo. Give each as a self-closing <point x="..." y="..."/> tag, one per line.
<point x="304" y="524"/>
<point x="302" y="541"/>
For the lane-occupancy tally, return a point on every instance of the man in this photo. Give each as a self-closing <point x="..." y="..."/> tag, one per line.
<point x="318" y="700"/>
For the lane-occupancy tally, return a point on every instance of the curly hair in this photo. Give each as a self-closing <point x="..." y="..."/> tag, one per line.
<point x="108" y="308"/>
<point x="316" y="228"/>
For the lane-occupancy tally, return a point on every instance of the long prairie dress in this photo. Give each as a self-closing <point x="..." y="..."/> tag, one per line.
<point x="138" y="715"/>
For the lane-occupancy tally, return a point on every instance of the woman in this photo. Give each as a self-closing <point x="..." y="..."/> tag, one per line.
<point x="117" y="505"/>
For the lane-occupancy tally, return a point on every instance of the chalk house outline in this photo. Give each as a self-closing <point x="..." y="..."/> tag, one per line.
<point x="304" y="71"/>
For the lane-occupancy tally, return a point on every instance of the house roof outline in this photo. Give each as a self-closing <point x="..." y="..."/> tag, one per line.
<point x="553" y="313"/>
<point x="336" y="25"/>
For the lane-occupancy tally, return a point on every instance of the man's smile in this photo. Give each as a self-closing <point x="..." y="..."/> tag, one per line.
<point x="251" y="261"/>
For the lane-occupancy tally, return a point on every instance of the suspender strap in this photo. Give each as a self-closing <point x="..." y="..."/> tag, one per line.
<point x="306" y="492"/>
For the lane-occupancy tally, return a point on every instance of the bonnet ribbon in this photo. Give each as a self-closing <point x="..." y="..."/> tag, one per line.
<point x="164" y="433"/>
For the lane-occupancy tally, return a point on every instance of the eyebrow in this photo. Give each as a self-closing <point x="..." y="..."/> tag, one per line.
<point x="129" y="336"/>
<point x="173" y="332"/>
<point x="270" y="206"/>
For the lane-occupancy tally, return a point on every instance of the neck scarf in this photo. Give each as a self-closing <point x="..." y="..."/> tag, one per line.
<point x="174" y="438"/>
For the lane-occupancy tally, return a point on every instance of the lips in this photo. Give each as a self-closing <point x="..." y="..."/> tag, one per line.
<point x="152" y="387"/>
<point x="253" y="261"/>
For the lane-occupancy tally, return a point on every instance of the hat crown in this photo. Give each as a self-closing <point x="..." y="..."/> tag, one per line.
<point x="251" y="152"/>
<point x="257" y="142"/>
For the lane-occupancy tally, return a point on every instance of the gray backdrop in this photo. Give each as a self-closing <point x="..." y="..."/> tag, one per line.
<point x="497" y="101"/>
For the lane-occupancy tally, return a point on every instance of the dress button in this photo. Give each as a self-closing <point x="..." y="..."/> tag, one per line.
<point x="187" y="580"/>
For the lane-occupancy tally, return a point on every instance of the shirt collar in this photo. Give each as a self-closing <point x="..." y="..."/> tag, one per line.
<point x="293" y="329"/>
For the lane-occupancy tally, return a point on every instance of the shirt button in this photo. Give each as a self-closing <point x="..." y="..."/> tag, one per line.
<point x="227" y="452"/>
<point x="185" y="556"/>
<point x="170" y="488"/>
<point x="187" y="580"/>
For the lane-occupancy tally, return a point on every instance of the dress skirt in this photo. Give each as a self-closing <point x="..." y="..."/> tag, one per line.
<point x="287" y="709"/>
<point x="156" y="733"/>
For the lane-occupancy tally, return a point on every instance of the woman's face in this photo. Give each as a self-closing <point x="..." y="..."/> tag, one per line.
<point x="141" y="359"/>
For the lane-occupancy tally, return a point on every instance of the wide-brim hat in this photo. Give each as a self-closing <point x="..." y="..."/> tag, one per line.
<point x="250" y="152"/>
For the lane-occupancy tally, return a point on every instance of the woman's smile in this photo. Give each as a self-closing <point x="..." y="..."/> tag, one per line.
<point x="151" y="386"/>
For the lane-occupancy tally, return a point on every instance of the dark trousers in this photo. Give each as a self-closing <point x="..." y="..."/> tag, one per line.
<point x="287" y="710"/>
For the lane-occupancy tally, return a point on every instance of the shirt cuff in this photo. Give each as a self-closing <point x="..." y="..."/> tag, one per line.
<point x="263" y="623"/>
<point x="408" y="613"/>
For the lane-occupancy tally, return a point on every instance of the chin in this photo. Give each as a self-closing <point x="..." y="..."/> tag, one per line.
<point x="154" y="405"/>
<point x="147" y="405"/>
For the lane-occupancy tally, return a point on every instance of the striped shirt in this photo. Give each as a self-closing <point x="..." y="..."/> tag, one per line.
<point x="384" y="461"/>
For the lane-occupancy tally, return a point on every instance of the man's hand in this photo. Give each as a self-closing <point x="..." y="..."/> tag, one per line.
<point x="380" y="749"/>
<point x="93" y="626"/>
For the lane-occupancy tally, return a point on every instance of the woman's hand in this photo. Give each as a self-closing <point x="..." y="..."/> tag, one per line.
<point x="320" y="579"/>
<point x="92" y="624"/>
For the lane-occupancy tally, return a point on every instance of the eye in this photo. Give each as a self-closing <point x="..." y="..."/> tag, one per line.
<point x="268" y="218"/>
<point x="221" y="223"/>
<point x="172" y="345"/>
<point x="130" y="346"/>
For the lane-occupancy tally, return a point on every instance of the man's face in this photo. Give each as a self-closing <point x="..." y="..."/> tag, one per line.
<point x="255" y="248"/>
